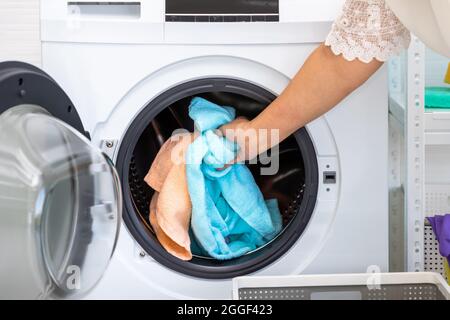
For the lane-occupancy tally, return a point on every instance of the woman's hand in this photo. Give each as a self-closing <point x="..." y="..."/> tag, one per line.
<point x="235" y="131"/>
<point x="251" y="141"/>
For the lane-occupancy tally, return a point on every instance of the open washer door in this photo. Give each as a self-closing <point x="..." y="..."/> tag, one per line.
<point x="60" y="198"/>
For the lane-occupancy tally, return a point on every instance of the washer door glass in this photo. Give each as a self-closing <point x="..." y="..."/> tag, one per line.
<point x="60" y="206"/>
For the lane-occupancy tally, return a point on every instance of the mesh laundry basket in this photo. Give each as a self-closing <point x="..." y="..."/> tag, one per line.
<point x="433" y="261"/>
<point x="382" y="286"/>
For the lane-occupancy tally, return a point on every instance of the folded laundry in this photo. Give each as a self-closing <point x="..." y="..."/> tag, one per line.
<point x="229" y="214"/>
<point x="199" y="209"/>
<point x="441" y="228"/>
<point x="437" y="97"/>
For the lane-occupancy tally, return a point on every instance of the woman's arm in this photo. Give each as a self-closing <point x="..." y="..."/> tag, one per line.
<point x="324" y="80"/>
<point x="366" y="33"/>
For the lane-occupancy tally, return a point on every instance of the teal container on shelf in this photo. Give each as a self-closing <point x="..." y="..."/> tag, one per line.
<point x="437" y="97"/>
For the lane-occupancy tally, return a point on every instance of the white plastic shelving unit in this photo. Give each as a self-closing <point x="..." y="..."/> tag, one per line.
<point x="419" y="173"/>
<point x="437" y="170"/>
<point x="407" y="157"/>
<point x="415" y="155"/>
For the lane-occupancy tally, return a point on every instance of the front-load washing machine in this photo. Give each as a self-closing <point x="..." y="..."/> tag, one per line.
<point x="130" y="69"/>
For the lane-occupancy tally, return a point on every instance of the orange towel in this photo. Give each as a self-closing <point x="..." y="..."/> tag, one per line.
<point x="170" y="207"/>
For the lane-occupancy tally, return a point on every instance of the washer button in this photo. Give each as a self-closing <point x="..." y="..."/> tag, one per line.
<point x="230" y="18"/>
<point x="272" y="18"/>
<point x="243" y="18"/>
<point x="202" y="18"/>
<point x="258" y="18"/>
<point x="216" y="19"/>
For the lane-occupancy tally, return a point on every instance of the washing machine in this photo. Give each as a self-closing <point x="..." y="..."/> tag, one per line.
<point x="78" y="139"/>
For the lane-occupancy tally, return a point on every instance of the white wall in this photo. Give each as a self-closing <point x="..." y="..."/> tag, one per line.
<point x="436" y="67"/>
<point x="19" y="31"/>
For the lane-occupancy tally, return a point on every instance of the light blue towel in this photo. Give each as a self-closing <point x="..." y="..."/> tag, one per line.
<point x="229" y="214"/>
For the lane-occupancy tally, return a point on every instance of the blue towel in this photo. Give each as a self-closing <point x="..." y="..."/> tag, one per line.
<point x="229" y="214"/>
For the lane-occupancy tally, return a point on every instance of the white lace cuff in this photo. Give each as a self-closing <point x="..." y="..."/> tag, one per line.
<point x="367" y="30"/>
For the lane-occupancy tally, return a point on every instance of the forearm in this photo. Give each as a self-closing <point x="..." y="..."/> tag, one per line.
<point x="324" y="80"/>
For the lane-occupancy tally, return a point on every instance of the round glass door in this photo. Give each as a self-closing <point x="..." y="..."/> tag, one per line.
<point x="60" y="207"/>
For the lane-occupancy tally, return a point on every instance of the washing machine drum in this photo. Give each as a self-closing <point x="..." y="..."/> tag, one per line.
<point x="291" y="175"/>
<point x="60" y="198"/>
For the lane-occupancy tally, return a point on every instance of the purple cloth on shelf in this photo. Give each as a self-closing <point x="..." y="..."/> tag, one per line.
<point x="441" y="228"/>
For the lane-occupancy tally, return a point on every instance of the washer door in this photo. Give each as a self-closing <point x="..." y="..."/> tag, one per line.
<point x="60" y="207"/>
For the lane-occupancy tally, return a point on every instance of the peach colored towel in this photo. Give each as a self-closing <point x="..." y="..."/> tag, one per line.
<point x="170" y="207"/>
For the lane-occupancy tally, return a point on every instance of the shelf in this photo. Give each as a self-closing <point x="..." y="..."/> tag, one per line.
<point x="437" y="126"/>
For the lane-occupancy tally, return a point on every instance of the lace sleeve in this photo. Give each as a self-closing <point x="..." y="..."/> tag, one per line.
<point x="367" y="29"/>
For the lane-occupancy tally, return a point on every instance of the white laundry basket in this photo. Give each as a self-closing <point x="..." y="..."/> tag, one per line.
<point x="370" y="286"/>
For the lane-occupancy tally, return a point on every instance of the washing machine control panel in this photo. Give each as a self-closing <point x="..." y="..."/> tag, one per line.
<point x="184" y="22"/>
<point x="222" y="11"/>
